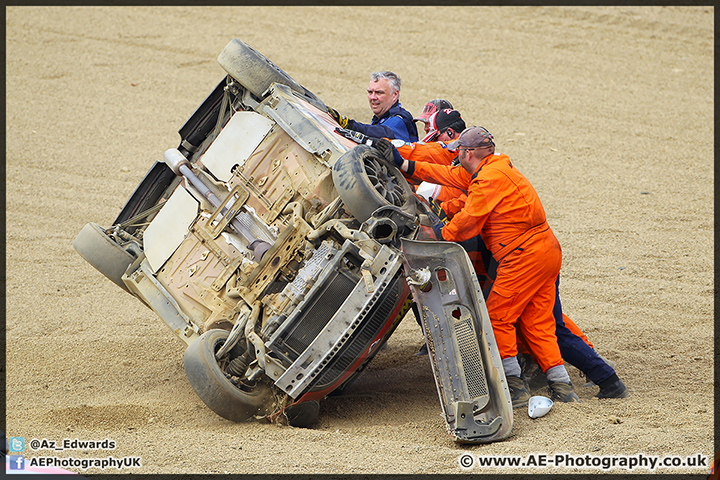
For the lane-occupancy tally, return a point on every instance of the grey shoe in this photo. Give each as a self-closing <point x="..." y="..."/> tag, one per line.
<point x="615" y="389"/>
<point x="519" y="393"/>
<point x="423" y="350"/>
<point x="562" y="392"/>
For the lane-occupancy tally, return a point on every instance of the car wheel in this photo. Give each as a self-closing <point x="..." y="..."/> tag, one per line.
<point x="152" y="187"/>
<point x="366" y="181"/>
<point x="103" y="253"/>
<point x="256" y="73"/>
<point x="234" y="401"/>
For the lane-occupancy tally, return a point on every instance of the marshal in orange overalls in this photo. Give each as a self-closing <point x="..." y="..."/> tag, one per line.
<point x="504" y="209"/>
<point x="450" y="208"/>
<point x="431" y="152"/>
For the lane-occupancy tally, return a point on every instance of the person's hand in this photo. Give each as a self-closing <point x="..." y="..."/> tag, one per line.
<point x="340" y="119"/>
<point x="437" y="228"/>
<point x="388" y="151"/>
<point x="438" y="210"/>
<point x="357" y="137"/>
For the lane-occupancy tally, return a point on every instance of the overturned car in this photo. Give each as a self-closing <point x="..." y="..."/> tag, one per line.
<point x="284" y="254"/>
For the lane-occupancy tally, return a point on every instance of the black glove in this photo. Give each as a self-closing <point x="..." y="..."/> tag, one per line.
<point x="340" y="119"/>
<point x="387" y="150"/>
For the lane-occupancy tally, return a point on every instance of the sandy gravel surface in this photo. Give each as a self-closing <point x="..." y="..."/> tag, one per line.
<point x="608" y="111"/>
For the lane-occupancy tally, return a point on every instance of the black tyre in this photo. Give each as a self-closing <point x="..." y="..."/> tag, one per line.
<point x="303" y="414"/>
<point x="366" y="181"/>
<point x="235" y="402"/>
<point x="152" y="187"/>
<point x="256" y="73"/>
<point x="103" y="253"/>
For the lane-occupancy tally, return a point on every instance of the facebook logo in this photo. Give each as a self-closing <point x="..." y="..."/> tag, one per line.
<point x="17" y="462"/>
<point x="16" y="444"/>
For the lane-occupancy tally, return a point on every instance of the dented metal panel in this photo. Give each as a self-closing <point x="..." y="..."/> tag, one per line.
<point x="464" y="356"/>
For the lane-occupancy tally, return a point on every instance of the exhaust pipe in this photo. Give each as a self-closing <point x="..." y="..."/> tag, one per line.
<point x="181" y="167"/>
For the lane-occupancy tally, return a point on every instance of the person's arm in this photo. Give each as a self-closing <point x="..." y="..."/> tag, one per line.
<point x="441" y="174"/>
<point x="470" y="220"/>
<point x="454" y="205"/>
<point x="432" y="165"/>
<point x="432" y="152"/>
<point x="379" y="131"/>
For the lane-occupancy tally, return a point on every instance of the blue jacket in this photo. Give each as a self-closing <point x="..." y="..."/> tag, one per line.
<point x="395" y="123"/>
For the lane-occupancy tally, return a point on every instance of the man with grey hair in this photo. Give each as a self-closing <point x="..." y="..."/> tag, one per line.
<point x="389" y="120"/>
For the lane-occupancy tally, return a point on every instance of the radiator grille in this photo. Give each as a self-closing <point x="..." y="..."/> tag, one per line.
<point x="315" y="316"/>
<point x="371" y="324"/>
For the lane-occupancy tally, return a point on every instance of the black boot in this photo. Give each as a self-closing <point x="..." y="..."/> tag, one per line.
<point x="613" y="387"/>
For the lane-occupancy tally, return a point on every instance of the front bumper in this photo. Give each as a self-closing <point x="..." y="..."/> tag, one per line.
<point x="465" y="360"/>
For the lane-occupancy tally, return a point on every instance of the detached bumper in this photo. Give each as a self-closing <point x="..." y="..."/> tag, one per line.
<point x="465" y="360"/>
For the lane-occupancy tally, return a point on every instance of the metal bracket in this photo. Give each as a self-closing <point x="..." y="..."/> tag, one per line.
<point x="223" y="214"/>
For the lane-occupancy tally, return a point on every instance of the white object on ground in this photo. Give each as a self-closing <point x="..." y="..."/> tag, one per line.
<point x="539" y="406"/>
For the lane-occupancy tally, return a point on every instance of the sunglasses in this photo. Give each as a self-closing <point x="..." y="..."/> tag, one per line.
<point x="432" y="136"/>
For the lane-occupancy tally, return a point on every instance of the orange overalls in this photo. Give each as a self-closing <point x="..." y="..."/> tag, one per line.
<point x="504" y="209"/>
<point x="451" y="207"/>
<point x="431" y="152"/>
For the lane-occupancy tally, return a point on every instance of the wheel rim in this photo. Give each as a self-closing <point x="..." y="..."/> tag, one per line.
<point x="384" y="181"/>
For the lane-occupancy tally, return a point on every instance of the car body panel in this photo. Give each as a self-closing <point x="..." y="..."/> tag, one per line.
<point x="238" y="139"/>
<point x="466" y="363"/>
<point x="169" y="228"/>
